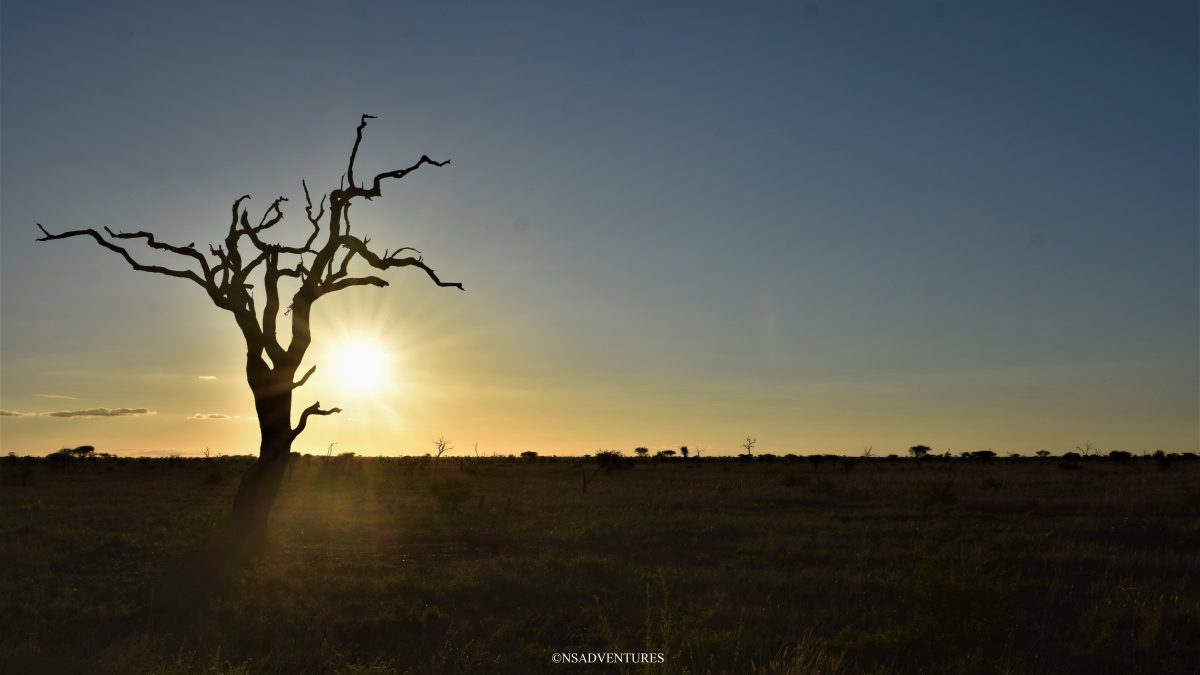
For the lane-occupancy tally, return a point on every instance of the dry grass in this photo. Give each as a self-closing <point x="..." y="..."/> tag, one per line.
<point x="490" y="566"/>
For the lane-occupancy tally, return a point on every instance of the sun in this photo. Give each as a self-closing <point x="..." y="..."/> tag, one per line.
<point x="361" y="366"/>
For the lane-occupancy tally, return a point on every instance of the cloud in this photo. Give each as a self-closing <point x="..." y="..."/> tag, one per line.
<point x="99" y="412"/>
<point x="90" y="412"/>
<point x="211" y="416"/>
<point x="59" y="396"/>
<point x="207" y="377"/>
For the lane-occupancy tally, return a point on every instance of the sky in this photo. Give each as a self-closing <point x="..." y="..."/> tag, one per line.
<point x="826" y="225"/>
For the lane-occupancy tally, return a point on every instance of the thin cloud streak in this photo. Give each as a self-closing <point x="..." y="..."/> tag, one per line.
<point x="101" y="412"/>
<point x="90" y="412"/>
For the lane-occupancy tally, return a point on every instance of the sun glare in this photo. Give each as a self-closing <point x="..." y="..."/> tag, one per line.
<point x="361" y="366"/>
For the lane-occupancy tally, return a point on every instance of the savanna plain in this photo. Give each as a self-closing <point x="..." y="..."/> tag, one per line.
<point x="494" y="564"/>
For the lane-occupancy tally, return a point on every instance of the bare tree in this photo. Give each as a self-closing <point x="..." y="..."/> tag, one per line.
<point x="441" y="446"/>
<point x="748" y="444"/>
<point x="321" y="265"/>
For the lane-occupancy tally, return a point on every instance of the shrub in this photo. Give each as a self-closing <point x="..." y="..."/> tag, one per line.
<point x="16" y="473"/>
<point x="1161" y="459"/>
<point x="919" y="451"/>
<point x="984" y="456"/>
<point x="613" y="459"/>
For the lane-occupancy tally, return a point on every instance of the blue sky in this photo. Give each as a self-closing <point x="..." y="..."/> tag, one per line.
<point x="830" y="225"/>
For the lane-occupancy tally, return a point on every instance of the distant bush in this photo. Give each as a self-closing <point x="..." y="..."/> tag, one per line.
<point x="59" y="461"/>
<point x="613" y="459"/>
<point x="919" y="451"/>
<point x="983" y="456"/>
<point x="529" y="455"/>
<point x="15" y="472"/>
<point x="1162" y="459"/>
<point x="80" y="452"/>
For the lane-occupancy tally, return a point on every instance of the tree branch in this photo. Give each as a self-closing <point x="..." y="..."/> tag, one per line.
<point x="271" y="310"/>
<point x="189" y="250"/>
<point x="297" y="385"/>
<point x="314" y="409"/>
<point x="354" y="152"/>
<point x="376" y="187"/>
<point x="155" y="269"/>
<point x="343" y="284"/>
<point x="358" y="246"/>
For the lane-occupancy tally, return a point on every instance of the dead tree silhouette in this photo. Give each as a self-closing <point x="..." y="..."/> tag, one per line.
<point x="270" y="366"/>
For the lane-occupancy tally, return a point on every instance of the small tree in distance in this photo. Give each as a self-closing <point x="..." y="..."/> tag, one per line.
<point x="441" y="446"/>
<point x="748" y="444"/>
<point x="321" y="266"/>
<point x="919" y="451"/>
<point x="641" y="452"/>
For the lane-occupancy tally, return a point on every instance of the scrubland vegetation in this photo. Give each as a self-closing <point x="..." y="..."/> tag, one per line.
<point x="919" y="564"/>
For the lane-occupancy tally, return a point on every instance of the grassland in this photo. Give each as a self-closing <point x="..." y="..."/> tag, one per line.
<point x="493" y="565"/>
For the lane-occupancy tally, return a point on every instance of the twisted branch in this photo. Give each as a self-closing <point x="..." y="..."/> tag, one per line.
<point x="314" y="409"/>
<point x="155" y="269"/>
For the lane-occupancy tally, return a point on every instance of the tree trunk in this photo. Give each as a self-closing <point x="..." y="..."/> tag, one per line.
<point x="260" y="484"/>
